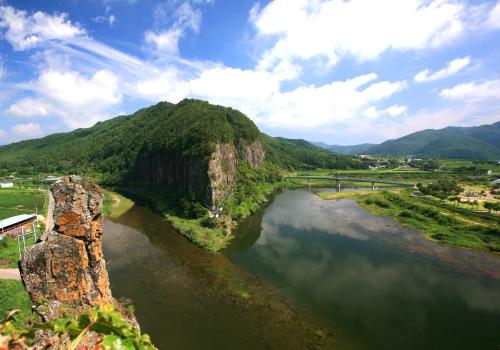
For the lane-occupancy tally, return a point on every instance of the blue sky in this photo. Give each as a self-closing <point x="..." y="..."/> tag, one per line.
<point x="342" y="72"/>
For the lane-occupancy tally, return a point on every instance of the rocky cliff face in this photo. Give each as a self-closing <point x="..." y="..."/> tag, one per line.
<point x="252" y="152"/>
<point x="68" y="266"/>
<point x="210" y="182"/>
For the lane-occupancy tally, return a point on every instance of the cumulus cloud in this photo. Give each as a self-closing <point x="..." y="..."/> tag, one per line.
<point x="28" y="108"/>
<point x="395" y="110"/>
<point x="78" y="100"/>
<point x="28" y="130"/>
<point x="453" y="67"/>
<point x="167" y="41"/>
<point x="362" y="28"/>
<point x="2" y="133"/>
<point x="24" y="31"/>
<point x="473" y="91"/>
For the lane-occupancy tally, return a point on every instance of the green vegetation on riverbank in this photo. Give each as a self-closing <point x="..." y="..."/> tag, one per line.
<point x="115" y="205"/>
<point x="194" y="221"/>
<point x="437" y="222"/>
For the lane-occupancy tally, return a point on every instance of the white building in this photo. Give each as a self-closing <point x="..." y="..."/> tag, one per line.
<point x="6" y="184"/>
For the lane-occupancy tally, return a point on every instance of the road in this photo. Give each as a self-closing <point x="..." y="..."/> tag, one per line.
<point x="10" y="274"/>
<point x="49" y="221"/>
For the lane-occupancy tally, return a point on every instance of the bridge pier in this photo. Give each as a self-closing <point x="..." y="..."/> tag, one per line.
<point x="338" y="184"/>
<point x="373" y="186"/>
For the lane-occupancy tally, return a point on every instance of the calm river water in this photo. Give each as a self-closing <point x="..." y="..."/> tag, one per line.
<point x="298" y="269"/>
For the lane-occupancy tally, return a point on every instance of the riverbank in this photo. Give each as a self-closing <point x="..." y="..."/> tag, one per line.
<point x="437" y="223"/>
<point x="115" y="205"/>
<point x="195" y="222"/>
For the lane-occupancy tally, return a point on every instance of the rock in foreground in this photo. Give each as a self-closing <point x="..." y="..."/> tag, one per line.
<point x="67" y="266"/>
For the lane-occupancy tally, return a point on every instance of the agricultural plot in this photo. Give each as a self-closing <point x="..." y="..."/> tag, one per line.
<point x="16" y="202"/>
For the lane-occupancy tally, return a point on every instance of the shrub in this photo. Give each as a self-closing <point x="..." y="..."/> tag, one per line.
<point x="406" y="214"/>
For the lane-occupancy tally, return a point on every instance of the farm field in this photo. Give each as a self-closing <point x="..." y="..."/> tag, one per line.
<point x="21" y="201"/>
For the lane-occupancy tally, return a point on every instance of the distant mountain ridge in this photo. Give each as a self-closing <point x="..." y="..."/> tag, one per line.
<point x="476" y="142"/>
<point x="348" y="150"/>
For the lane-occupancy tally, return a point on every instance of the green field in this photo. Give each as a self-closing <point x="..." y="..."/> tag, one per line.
<point x="13" y="296"/>
<point x="9" y="251"/>
<point x="15" y="202"/>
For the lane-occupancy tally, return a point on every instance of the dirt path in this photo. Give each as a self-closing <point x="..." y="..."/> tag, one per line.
<point x="9" y="274"/>
<point x="462" y="219"/>
<point x="117" y="200"/>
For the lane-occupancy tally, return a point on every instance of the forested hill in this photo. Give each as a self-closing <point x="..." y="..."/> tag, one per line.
<point x="189" y="129"/>
<point x="478" y="142"/>
<point x="349" y="150"/>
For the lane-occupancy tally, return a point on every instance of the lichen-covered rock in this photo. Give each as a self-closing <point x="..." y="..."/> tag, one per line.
<point x="68" y="266"/>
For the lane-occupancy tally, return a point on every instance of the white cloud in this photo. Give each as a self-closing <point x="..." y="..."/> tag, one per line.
<point x="318" y="106"/>
<point x="393" y="111"/>
<point x="234" y="83"/>
<point x="473" y="91"/>
<point x="165" y="85"/>
<point x="167" y="41"/>
<point x="28" y="108"/>
<point x="2" y="133"/>
<point x="80" y="101"/>
<point x="494" y="16"/>
<point x="362" y="28"/>
<point x="371" y="112"/>
<point x="23" y="31"/>
<point x="396" y="110"/>
<point x="28" y="130"/>
<point x="453" y="67"/>
<point x="101" y="19"/>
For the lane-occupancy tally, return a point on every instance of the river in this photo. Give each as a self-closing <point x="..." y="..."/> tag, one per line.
<point x="304" y="273"/>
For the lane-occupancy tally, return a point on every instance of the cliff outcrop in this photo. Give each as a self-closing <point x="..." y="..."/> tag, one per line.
<point x="67" y="265"/>
<point x="208" y="181"/>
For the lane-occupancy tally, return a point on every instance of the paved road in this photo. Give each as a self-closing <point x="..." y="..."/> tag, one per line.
<point x="10" y="274"/>
<point x="49" y="223"/>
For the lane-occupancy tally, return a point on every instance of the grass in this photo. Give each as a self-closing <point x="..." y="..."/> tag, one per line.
<point x="436" y="222"/>
<point x="15" y="202"/>
<point x="343" y="194"/>
<point x="9" y="251"/>
<point x="211" y="239"/>
<point x="115" y="205"/>
<point x="13" y="296"/>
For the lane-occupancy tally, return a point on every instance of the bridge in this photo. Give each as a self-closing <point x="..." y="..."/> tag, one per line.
<point x="338" y="180"/>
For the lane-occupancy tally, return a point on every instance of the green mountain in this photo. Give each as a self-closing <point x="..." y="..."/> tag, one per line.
<point x="348" y="150"/>
<point x="200" y="149"/>
<point x="478" y="142"/>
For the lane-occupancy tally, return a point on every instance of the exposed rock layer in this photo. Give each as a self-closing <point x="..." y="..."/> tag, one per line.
<point x="68" y="266"/>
